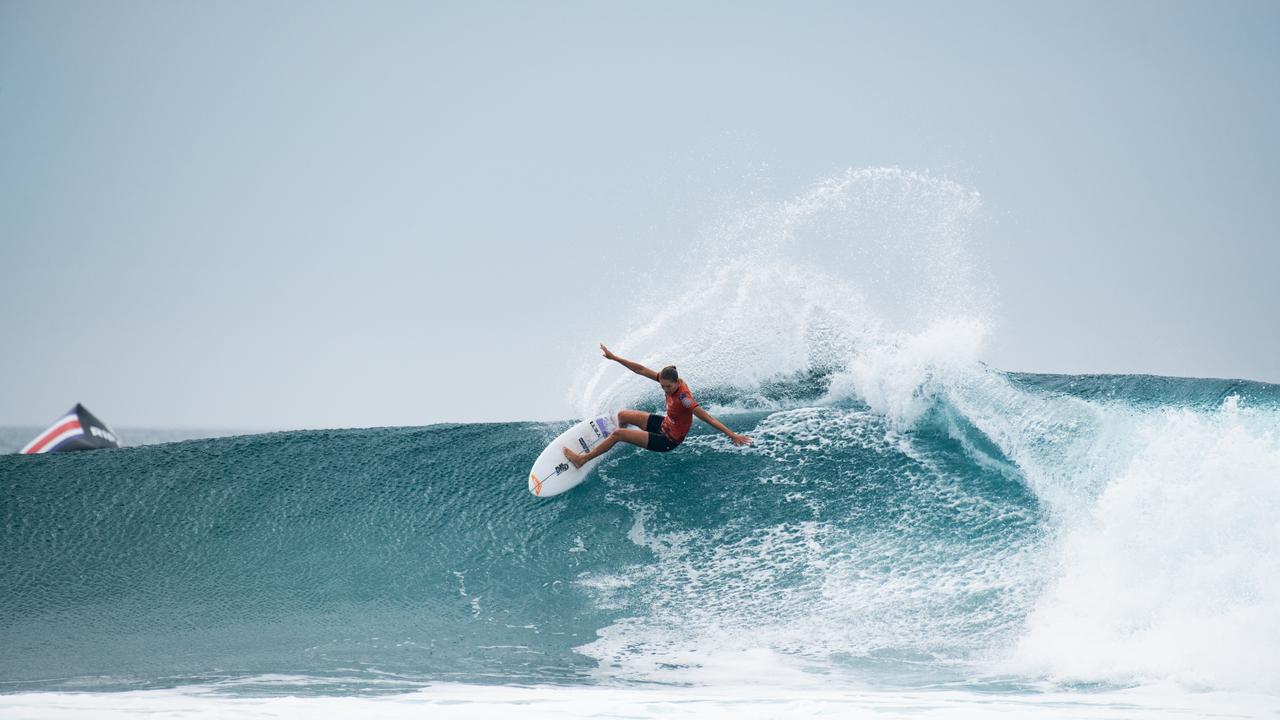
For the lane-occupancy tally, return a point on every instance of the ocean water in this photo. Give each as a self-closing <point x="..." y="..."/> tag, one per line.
<point x="1028" y="536"/>
<point x="911" y="533"/>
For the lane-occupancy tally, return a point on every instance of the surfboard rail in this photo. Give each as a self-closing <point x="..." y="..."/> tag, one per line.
<point x="552" y="473"/>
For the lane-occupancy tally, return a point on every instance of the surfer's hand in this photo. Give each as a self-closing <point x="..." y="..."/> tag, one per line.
<point x="608" y="355"/>
<point x="740" y="439"/>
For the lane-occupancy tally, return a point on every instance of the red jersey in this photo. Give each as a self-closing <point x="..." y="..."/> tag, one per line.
<point x="679" y="419"/>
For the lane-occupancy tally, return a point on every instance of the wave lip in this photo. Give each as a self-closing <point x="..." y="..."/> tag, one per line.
<point x="1173" y="576"/>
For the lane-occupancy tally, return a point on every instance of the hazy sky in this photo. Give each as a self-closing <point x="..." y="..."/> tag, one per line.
<point x="276" y="215"/>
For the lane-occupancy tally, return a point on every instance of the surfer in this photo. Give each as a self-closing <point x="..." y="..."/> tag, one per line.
<point x="655" y="432"/>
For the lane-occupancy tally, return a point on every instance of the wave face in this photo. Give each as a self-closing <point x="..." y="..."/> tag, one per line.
<point x="1082" y="529"/>
<point x="907" y="516"/>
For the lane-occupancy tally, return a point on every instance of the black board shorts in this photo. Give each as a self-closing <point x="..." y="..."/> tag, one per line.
<point x="657" y="441"/>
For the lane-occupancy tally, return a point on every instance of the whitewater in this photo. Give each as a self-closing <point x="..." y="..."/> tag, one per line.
<point x="912" y="531"/>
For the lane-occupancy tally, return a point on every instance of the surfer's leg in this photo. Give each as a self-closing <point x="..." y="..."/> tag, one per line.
<point x="631" y="435"/>
<point x="632" y="417"/>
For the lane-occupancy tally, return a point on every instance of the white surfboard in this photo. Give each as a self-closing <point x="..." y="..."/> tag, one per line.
<point x="552" y="473"/>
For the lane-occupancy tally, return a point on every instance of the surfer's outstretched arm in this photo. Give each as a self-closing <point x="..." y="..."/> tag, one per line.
<point x="705" y="417"/>
<point x="634" y="367"/>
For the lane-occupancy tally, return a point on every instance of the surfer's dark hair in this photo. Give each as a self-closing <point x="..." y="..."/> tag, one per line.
<point x="669" y="374"/>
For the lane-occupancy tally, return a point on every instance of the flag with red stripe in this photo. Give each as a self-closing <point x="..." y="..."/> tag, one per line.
<point x="77" y="430"/>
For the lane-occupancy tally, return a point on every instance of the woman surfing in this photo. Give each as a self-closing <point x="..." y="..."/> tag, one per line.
<point x="659" y="433"/>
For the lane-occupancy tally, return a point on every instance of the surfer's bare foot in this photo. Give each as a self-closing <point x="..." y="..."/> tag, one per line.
<point x="573" y="457"/>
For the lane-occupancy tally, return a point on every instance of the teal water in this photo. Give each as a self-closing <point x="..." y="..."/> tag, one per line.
<point x="978" y="544"/>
